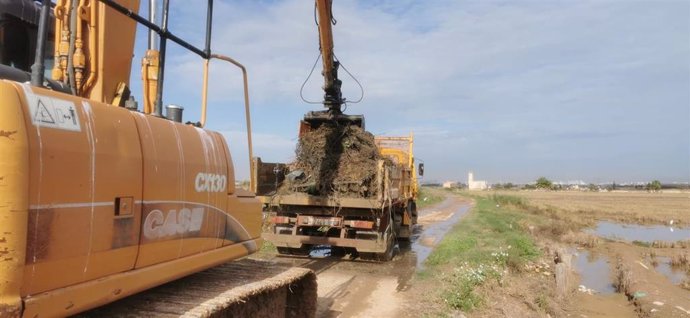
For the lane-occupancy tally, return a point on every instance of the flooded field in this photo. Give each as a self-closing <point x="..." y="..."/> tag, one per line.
<point x="595" y="272"/>
<point x="674" y="274"/>
<point x="641" y="233"/>
<point x="627" y="207"/>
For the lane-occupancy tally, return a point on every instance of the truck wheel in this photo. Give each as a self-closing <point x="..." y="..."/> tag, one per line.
<point x="301" y="251"/>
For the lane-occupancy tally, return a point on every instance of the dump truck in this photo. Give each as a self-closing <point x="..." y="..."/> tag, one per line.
<point x="367" y="227"/>
<point x="360" y="214"/>
<point x="101" y="199"/>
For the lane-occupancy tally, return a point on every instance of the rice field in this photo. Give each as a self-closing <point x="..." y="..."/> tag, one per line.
<point x="633" y="207"/>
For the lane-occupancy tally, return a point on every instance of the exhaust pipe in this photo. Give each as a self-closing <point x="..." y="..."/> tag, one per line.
<point x="174" y="112"/>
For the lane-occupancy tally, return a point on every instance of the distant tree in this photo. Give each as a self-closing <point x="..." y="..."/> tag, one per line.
<point x="543" y="183"/>
<point x="529" y="187"/>
<point x="593" y="187"/>
<point x="654" y="186"/>
<point x="508" y="185"/>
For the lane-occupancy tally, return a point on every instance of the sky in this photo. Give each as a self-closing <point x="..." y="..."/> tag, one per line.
<point x="597" y="91"/>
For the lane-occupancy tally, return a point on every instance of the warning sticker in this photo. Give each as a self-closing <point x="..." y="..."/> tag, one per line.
<point x="52" y="112"/>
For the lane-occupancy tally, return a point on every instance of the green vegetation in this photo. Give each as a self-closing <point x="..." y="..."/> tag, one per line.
<point x="654" y="186"/>
<point x="428" y="197"/>
<point x="268" y="247"/>
<point x="504" y="186"/>
<point x="513" y="200"/>
<point x="481" y="249"/>
<point x="543" y="183"/>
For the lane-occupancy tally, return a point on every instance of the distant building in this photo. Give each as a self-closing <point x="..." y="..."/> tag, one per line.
<point x="475" y="185"/>
<point x="450" y="184"/>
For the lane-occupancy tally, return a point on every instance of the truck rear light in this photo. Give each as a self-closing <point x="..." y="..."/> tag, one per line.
<point x="307" y="220"/>
<point x="280" y="220"/>
<point x="360" y="224"/>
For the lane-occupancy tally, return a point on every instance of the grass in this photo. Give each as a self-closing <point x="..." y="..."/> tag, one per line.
<point x="429" y="196"/>
<point x="482" y="248"/>
<point x="623" y="278"/>
<point x="681" y="260"/>
<point x="268" y="247"/>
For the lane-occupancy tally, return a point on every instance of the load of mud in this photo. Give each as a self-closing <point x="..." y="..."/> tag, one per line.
<point x="335" y="160"/>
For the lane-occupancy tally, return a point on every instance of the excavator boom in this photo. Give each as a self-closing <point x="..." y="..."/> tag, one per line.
<point x="333" y="96"/>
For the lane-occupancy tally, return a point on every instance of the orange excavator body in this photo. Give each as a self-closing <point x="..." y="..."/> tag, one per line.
<point x="98" y="202"/>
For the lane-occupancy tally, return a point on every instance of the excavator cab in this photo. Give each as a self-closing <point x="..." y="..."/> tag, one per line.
<point x="18" y="32"/>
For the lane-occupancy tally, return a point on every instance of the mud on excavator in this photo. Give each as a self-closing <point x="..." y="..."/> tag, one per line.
<point x="100" y="200"/>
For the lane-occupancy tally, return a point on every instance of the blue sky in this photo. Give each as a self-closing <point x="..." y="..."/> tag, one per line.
<point x="512" y="90"/>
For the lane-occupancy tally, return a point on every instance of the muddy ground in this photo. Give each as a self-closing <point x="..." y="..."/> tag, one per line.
<point x="355" y="288"/>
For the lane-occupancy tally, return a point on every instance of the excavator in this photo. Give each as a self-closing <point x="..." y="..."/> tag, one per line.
<point x="101" y="199"/>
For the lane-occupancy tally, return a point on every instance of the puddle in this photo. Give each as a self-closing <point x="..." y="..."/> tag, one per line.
<point x="594" y="272"/>
<point x="675" y="275"/>
<point x="425" y="237"/>
<point x="642" y="233"/>
<point x="320" y="251"/>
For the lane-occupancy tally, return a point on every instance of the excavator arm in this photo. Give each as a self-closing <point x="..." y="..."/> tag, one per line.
<point x="332" y="94"/>
<point x="333" y="99"/>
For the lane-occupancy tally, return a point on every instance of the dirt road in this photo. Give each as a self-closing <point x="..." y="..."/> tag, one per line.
<point x="355" y="288"/>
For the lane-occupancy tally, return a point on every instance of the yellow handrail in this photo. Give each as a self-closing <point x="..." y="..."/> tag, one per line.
<point x="204" y="101"/>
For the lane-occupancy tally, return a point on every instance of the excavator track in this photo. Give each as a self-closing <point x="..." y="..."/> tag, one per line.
<point x="244" y="288"/>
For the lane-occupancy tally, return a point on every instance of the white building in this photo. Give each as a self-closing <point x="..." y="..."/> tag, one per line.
<point x="475" y="185"/>
<point x="449" y="184"/>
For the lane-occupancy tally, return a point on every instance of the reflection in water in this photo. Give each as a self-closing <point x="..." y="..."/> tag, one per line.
<point x="675" y="275"/>
<point x="594" y="272"/>
<point x="642" y="233"/>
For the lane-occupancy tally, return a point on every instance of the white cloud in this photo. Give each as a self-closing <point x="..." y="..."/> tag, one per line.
<point x="490" y="85"/>
<point x="269" y="147"/>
